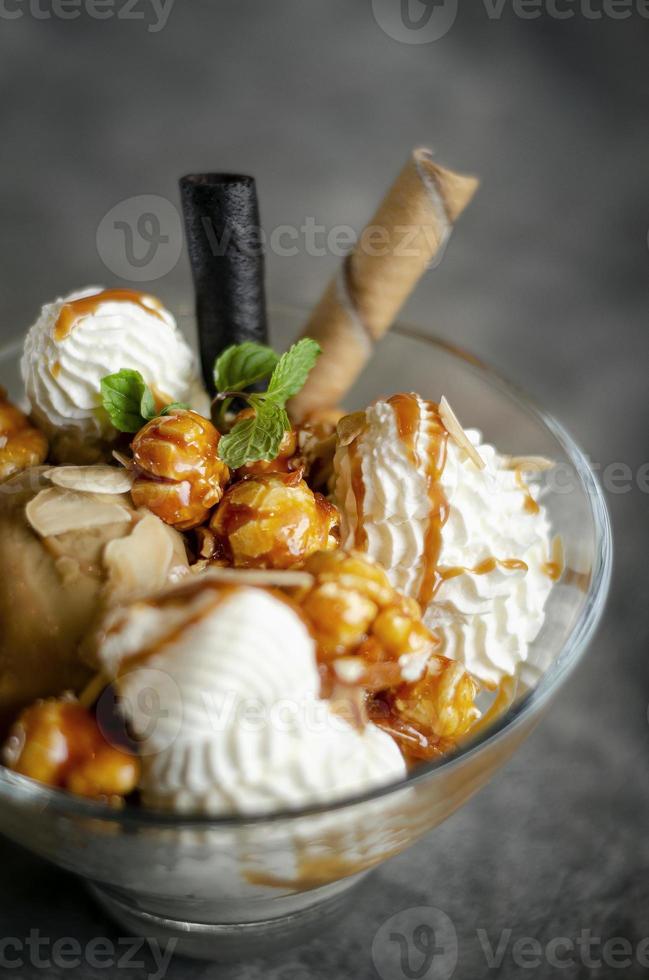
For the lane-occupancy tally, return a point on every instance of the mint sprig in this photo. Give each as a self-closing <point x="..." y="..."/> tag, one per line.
<point x="129" y="401"/>
<point x="259" y="437"/>
<point x="243" y="365"/>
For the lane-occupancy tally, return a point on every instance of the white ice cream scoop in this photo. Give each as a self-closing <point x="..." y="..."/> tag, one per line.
<point x="454" y="527"/>
<point x="81" y="338"/>
<point x="220" y="685"/>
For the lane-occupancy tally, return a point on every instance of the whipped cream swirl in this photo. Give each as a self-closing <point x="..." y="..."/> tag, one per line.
<point x="239" y="724"/>
<point x="78" y="340"/>
<point x="490" y="577"/>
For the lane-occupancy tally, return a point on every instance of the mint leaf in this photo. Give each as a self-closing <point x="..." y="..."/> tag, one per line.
<point x="292" y="370"/>
<point x="148" y="408"/>
<point x="130" y="402"/>
<point x="255" y="438"/>
<point x="168" y="409"/>
<point x="124" y="396"/>
<point x="242" y="365"/>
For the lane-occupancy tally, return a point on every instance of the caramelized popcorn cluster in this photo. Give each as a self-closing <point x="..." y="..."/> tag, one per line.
<point x="21" y="444"/>
<point x="180" y="476"/>
<point x="273" y="520"/>
<point x="373" y="637"/>
<point x="59" y="744"/>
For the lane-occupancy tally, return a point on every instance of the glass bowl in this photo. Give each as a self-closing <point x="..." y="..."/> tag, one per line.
<point x="232" y="888"/>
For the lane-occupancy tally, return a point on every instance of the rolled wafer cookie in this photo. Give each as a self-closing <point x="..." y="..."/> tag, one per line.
<point x="410" y="228"/>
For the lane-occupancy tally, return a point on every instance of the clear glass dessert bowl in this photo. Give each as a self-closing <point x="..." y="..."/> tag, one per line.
<point x="234" y="887"/>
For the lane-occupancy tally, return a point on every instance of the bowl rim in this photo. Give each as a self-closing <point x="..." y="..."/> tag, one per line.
<point x="582" y="631"/>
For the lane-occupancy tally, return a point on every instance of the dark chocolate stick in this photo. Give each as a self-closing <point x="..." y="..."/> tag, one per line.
<point x="227" y="260"/>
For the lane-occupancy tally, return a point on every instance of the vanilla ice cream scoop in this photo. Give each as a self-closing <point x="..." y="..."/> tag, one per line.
<point x="80" y="339"/>
<point x="238" y="726"/>
<point x="453" y="526"/>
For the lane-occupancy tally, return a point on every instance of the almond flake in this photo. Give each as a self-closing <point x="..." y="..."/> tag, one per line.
<point x="91" y="479"/>
<point x="57" y="511"/>
<point x="123" y="460"/>
<point x="277" y="578"/>
<point x="457" y="433"/>
<point x="350" y="427"/>
<point x="527" y="464"/>
<point x="142" y="562"/>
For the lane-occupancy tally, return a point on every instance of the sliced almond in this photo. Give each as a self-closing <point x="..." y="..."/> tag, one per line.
<point x="350" y="427"/>
<point x="273" y="578"/>
<point x="57" y="511"/>
<point x="91" y="479"/>
<point x="527" y="464"/>
<point x="123" y="460"/>
<point x="141" y="563"/>
<point x="457" y="433"/>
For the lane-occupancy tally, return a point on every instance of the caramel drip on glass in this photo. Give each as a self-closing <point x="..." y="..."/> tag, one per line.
<point x="530" y="505"/>
<point x="408" y="411"/>
<point x="72" y="312"/>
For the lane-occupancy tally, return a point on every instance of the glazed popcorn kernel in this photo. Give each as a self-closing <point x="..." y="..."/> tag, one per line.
<point x="108" y="774"/>
<point x="58" y="743"/>
<point x="180" y="477"/>
<point x="21" y="444"/>
<point x="353" y="571"/>
<point x="273" y="521"/>
<point x="442" y="702"/>
<point x="341" y="618"/>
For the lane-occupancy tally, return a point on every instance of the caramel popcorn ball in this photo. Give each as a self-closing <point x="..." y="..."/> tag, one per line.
<point x="442" y="700"/>
<point x="273" y="521"/>
<point x="59" y="743"/>
<point x="427" y="717"/>
<point x="353" y="605"/>
<point x="361" y="622"/>
<point x="21" y="444"/>
<point x="180" y="476"/>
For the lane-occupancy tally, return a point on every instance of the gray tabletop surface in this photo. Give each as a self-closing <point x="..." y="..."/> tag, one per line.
<point x="547" y="277"/>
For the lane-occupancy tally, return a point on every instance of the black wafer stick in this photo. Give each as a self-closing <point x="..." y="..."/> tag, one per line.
<point x="227" y="260"/>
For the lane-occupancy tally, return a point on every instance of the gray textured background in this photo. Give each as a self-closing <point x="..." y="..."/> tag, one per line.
<point x="547" y="278"/>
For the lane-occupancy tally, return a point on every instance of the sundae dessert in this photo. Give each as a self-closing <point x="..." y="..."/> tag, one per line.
<point x="262" y="603"/>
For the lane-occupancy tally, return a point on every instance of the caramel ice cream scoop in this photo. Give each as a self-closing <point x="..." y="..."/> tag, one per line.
<point x="68" y="554"/>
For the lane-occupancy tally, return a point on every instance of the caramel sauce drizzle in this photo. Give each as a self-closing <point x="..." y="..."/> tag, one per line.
<point x="484" y="568"/>
<point x="553" y="570"/>
<point x="181" y="595"/>
<point x="530" y="505"/>
<point x="72" y="312"/>
<point x="358" y="489"/>
<point x="407" y="409"/>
